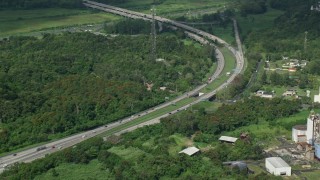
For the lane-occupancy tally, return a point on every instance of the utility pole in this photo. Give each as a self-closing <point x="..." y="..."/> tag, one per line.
<point x="305" y="41"/>
<point x="153" y="35"/>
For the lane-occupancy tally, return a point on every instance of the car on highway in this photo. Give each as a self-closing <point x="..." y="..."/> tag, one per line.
<point x="83" y="136"/>
<point x="41" y="148"/>
<point x="15" y="154"/>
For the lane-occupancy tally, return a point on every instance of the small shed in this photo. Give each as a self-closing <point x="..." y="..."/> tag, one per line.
<point x="228" y="139"/>
<point x="277" y="166"/>
<point x="190" y="151"/>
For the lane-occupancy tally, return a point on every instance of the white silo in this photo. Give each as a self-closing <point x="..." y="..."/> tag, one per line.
<point x="309" y="133"/>
<point x="313" y="128"/>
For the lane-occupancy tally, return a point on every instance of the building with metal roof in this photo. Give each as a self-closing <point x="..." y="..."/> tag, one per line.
<point x="277" y="166"/>
<point x="190" y="151"/>
<point x="228" y="139"/>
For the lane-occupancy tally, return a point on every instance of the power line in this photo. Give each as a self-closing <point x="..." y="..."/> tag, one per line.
<point x="305" y="41"/>
<point x="153" y="35"/>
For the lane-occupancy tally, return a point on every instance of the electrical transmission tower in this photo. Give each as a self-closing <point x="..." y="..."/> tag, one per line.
<point x="153" y="35"/>
<point x="305" y="41"/>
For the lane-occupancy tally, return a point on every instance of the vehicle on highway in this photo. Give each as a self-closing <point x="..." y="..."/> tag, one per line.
<point x="41" y="148"/>
<point x="106" y="126"/>
<point x="15" y="154"/>
<point x="53" y="147"/>
<point x="83" y="136"/>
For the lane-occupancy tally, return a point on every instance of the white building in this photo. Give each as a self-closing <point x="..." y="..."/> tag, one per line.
<point x="228" y="139"/>
<point x="277" y="166"/>
<point x="299" y="133"/>
<point x="190" y="151"/>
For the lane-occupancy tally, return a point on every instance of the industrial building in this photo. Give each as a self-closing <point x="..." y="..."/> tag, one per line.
<point x="277" y="166"/>
<point x="299" y="133"/>
<point x="308" y="136"/>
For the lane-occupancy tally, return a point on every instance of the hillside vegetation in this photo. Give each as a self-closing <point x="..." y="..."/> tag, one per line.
<point x="156" y="148"/>
<point x="62" y="84"/>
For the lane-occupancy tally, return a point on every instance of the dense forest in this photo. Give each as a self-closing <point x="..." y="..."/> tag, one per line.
<point x="72" y="82"/>
<point x="155" y="149"/>
<point x="288" y="33"/>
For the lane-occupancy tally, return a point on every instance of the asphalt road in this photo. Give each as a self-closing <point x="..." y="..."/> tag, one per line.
<point x="201" y="36"/>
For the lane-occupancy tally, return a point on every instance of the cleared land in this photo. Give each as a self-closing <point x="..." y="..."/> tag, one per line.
<point x="174" y="6"/>
<point x="16" y="22"/>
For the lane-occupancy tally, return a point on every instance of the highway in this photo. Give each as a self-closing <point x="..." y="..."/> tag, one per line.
<point x="198" y="35"/>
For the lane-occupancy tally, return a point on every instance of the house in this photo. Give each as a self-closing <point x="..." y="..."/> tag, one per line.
<point x="289" y="93"/>
<point x="303" y="63"/>
<point x="292" y="69"/>
<point x="267" y="95"/>
<point x="228" y="139"/>
<point x="190" y="151"/>
<point x="264" y="94"/>
<point x="277" y="166"/>
<point x="260" y="92"/>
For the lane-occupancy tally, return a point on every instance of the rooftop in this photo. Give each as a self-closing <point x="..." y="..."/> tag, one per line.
<point x="228" y="139"/>
<point x="300" y="127"/>
<point x="190" y="151"/>
<point x="277" y="162"/>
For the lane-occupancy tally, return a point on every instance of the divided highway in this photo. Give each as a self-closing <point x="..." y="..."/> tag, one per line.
<point x="198" y="35"/>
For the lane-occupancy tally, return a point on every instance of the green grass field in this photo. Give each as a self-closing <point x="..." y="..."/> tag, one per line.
<point x="15" y="22"/>
<point x="172" y="6"/>
<point x="266" y="134"/>
<point x="279" y="90"/>
<point x="93" y="170"/>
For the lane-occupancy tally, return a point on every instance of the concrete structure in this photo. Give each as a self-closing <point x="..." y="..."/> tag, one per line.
<point x="299" y="133"/>
<point x="277" y="166"/>
<point x="190" y="151"/>
<point x="313" y="128"/>
<point x="228" y="139"/>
